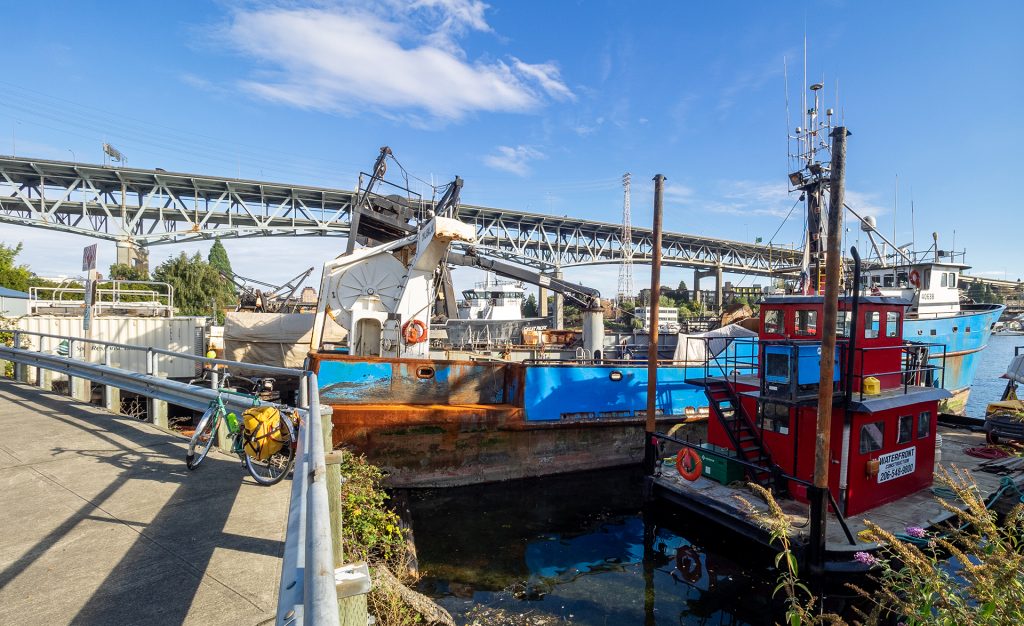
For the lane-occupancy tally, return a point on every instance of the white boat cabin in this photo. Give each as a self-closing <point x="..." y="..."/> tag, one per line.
<point x="933" y="288"/>
<point x="492" y="301"/>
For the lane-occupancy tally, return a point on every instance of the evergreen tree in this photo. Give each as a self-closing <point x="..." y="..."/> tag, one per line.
<point x="530" y="306"/>
<point x="219" y="261"/>
<point x="122" y="271"/>
<point x="197" y="285"/>
<point x="684" y="292"/>
<point x="12" y="276"/>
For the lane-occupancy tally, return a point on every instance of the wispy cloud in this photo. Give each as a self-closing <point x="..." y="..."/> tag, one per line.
<point x="513" y="159"/>
<point x="399" y="58"/>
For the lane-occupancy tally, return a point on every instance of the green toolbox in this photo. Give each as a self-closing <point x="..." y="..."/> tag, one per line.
<point x="718" y="467"/>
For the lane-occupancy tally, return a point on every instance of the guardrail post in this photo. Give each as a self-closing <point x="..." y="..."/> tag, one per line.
<point x="20" y="369"/>
<point x="111" y="394"/>
<point x="157" y="408"/>
<point x="79" y="388"/>
<point x="43" y="376"/>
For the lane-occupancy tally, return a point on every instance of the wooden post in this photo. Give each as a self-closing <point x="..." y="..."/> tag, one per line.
<point x="819" y="494"/>
<point x="650" y="451"/>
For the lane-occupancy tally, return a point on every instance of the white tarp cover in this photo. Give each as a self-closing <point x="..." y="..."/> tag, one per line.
<point x="280" y="339"/>
<point x="694" y="348"/>
<point x="1016" y="369"/>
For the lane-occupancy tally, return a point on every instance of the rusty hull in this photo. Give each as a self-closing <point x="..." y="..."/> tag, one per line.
<point x="470" y="429"/>
<point x="449" y="445"/>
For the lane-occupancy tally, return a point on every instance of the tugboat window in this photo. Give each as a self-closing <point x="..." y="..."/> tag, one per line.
<point x="924" y="424"/>
<point x="952" y="279"/>
<point x="843" y="323"/>
<point x="892" y="324"/>
<point x="927" y="282"/>
<point x="902" y="280"/>
<point x="906" y="429"/>
<point x="773" y="321"/>
<point x="943" y="282"/>
<point x="871" y="322"/>
<point x="889" y="280"/>
<point x="871" y="437"/>
<point x="806" y="322"/>
<point x="776" y="417"/>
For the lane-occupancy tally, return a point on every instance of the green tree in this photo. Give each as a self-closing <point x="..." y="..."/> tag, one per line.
<point x="218" y="259"/>
<point x="197" y="285"/>
<point x="122" y="271"/>
<point x="530" y="306"/>
<point x="665" y="301"/>
<point x="13" y="276"/>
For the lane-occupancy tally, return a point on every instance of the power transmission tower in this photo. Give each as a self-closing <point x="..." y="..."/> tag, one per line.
<point x="626" y="267"/>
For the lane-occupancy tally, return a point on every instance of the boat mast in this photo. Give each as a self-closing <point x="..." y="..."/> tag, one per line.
<point x="812" y="180"/>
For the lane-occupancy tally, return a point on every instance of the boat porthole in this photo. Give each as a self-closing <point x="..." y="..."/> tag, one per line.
<point x="615" y="376"/>
<point x="424" y="372"/>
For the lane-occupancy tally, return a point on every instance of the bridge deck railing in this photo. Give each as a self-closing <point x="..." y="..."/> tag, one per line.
<point x="308" y="592"/>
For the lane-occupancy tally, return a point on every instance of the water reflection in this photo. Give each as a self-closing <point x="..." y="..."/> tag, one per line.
<point x="581" y="548"/>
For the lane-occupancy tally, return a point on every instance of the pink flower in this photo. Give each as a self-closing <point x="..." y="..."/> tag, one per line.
<point x="915" y="531"/>
<point x="865" y="558"/>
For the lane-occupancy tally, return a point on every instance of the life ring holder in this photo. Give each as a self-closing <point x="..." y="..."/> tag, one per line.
<point x="688" y="464"/>
<point x="688" y="564"/>
<point x="414" y="331"/>
<point x="915" y="279"/>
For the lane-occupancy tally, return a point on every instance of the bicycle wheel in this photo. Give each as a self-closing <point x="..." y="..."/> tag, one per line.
<point x="274" y="469"/>
<point x="202" y="439"/>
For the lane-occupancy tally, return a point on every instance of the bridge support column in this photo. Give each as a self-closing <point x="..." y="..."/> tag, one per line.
<point x="718" y="289"/>
<point x="132" y="254"/>
<point x="559" y="313"/>
<point x="698" y="295"/>
<point x="542" y="302"/>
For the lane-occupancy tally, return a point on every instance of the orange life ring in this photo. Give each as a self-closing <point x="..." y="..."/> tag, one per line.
<point x="414" y="331"/>
<point x="915" y="279"/>
<point x="688" y="464"/>
<point x="688" y="563"/>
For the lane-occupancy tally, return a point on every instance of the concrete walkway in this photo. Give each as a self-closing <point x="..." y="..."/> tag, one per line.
<point x="101" y="523"/>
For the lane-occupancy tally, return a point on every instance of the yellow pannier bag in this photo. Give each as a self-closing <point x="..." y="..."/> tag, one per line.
<point x="263" y="432"/>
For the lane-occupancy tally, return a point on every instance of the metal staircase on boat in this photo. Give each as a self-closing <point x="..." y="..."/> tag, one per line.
<point x="729" y="412"/>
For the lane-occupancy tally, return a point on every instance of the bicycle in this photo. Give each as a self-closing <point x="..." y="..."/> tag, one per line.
<point x="268" y="471"/>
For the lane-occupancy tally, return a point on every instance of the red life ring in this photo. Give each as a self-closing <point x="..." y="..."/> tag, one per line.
<point x="915" y="279"/>
<point x="688" y="464"/>
<point x="688" y="564"/>
<point x="414" y="331"/>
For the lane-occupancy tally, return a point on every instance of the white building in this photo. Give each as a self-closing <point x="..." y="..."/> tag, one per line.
<point x="13" y="303"/>
<point x="668" y="318"/>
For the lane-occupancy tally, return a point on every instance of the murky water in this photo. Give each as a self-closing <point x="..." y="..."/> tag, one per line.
<point x="579" y="549"/>
<point x="988" y="386"/>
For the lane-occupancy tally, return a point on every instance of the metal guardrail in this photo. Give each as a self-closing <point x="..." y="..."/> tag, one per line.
<point x="110" y="294"/>
<point x="308" y="594"/>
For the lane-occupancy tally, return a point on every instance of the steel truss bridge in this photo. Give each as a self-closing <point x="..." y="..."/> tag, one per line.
<point x="140" y="208"/>
<point x="151" y="207"/>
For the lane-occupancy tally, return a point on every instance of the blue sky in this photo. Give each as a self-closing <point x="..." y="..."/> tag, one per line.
<point x="539" y="106"/>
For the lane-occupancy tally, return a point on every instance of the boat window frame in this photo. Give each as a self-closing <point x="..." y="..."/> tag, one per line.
<point x="924" y="423"/>
<point x="810" y="329"/>
<point x="781" y="321"/>
<point x="843" y="319"/>
<point x="777" y="420"/>
<point x="872" y="325"/>
<point x="892" y="324"/>
<point x="904" y="435"/>
<point x="926" y="279"/>
<point x="880" y="425"/>
<point x="943" y="280"/>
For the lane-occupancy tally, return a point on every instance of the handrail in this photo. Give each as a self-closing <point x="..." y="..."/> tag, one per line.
<point x="755" y="466"/>
<point x="307" y="591"/>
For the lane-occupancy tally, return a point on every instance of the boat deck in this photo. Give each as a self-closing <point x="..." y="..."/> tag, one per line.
<point x="720" y="502"/>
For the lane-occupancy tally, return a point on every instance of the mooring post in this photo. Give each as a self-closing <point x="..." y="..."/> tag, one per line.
<point x="818" y="494"/>
<point x="650" y="447"/>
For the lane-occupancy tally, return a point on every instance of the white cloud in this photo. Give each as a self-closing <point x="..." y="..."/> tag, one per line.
<point x="400" y="58"/>
<point x="515" y="160"/>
